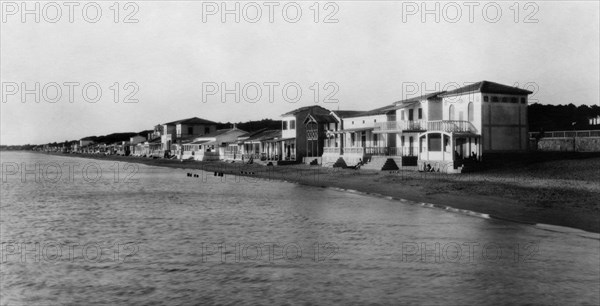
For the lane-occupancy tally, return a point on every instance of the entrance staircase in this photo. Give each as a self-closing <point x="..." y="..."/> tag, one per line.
<point x="381" y="163"/>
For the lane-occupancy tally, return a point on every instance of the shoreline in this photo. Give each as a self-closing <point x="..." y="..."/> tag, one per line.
<point x="517" y="195"/>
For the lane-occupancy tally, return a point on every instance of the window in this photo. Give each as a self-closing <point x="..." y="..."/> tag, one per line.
<point x="190" y="130"/>
<point x="486" y="99"/>
<point x="363" y="121"/>
<point x="402" y="115"/>
<point x="523" y="101"/>
<point x="207" y="130"/>
<point x="470" y="115"/>
<point x="435" y="142"/>
<point x="284" y="123"/>
<point x="352" y="122"/>
<point x="402" y="141"/>
<point x="504" y="99"/>
<point x="292" y="124"/>
<point x="514" y="100"/>
<point x="375" y="139"/>
<point x="374" y="120"/>
<point x="451" y="112"/>
<point x="420" y="113"/>
<point x="495" y="99"/>
<point x="410" y="115"/>
<point x="352" y="139"/>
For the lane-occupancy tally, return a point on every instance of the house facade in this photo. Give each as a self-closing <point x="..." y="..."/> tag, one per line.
<point x="172" y="133"/>
<point x="211" y="146"/>
<point x="440" y="131"/>
<point x="295" y="143"/>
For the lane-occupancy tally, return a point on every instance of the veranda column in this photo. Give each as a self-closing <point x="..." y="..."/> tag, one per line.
<point x="452" y="147"/>
<point x="442" y="146"/>
<point x="426" y="145"/>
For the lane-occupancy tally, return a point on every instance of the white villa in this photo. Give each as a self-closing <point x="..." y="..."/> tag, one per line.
<point x="442" y="131"/>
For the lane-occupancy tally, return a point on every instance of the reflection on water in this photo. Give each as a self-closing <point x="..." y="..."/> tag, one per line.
<point x="162" y="237"/>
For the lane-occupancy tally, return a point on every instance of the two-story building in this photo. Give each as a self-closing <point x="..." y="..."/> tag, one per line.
<point x="296" y="143"/>
<point x="441" y="131"/>
<point x="172" y="134"/>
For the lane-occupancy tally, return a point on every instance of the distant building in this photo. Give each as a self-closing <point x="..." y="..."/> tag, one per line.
<point x="176" y="131"/>
<point x="211" y="146"/>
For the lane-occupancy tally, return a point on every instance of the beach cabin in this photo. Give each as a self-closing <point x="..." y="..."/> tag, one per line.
<point x="262" y="145"/>
<point x="136" y="144"/>
<point x="210" y="147"/>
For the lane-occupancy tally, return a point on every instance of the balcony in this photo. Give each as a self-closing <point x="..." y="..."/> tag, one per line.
<point x="450" y="126"/>
<point x="400" y="126"/>
<point x="390" y="151"/>
<point x="332" y="150"/>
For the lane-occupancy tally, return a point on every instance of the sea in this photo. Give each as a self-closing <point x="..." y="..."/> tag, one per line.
<point x="80" y="231"/>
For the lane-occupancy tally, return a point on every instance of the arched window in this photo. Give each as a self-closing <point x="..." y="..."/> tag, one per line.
<point x="470" y="111"/>
<point x="451" y="112"/>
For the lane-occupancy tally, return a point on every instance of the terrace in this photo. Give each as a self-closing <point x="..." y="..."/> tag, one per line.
<point x="449" y="126"/>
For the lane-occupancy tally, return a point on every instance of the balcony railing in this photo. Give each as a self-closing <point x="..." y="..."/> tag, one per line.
<point x="399" y="126"/>
<point x="391" y="151"/>
<point x="334" y="150"/>
<point x="450" y="126"/>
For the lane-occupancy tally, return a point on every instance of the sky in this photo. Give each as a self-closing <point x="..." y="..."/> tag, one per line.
<point x="160" y="61"/>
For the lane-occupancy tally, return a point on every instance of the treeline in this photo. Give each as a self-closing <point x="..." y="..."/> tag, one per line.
<point x="541" y="118"/>
<point x="252" y="126"/>
<point x="561" y="117"/>
<point x="115" y="137"/>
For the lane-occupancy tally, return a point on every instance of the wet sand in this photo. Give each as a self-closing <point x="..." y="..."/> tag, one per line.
<point x="557" y="192"/>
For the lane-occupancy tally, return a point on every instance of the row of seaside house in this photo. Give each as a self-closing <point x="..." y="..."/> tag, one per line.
<point x="442" y="131"/>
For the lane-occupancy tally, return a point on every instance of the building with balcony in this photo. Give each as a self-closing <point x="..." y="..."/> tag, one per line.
<point x="441" y="131"/>
<point x="172" y="133"/>
<point x="294" y="144"/>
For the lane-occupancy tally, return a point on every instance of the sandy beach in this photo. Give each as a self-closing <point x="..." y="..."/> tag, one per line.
<point x="550" y="189"/>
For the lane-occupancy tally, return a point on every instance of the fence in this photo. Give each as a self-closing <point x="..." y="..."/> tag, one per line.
<point x="566" y="134"/>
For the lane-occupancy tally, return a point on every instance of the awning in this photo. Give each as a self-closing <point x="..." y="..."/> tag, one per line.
<point x="210" y="143"/>
<point x="355" y="130"/>
<point x="199" y="142"/>
<point x="285" y="139"/>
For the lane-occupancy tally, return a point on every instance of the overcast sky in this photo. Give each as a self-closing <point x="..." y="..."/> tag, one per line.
<point x="376" y="53"/>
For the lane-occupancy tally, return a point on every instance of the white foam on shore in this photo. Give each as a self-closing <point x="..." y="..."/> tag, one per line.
<point x="568" y="230"/>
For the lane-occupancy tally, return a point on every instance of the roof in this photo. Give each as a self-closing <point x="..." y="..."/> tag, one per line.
<point x="488" y="87"/>
<point x="313" y="108"/>
<point x="250" y="134"/>
<point x="419" y="98"/>
<point x="199" y="142"/>
<point x="265" y="135"/>
<point x="285" y="139"/>
<point x="193" y="120"/>
<point x="219" y="132"/>
<point x="357" y="129"/>
<point x="346" y="113"/>
<point x="320" y="118"/>
<point x="378" y="111"/>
